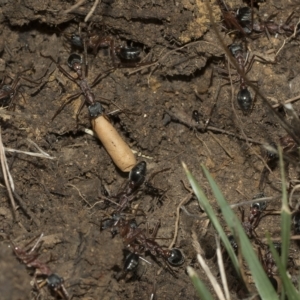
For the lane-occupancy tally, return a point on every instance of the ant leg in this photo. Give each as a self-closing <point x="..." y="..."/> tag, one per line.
<point x="154" y="233"/>
<point x="78" y="112"/>
<point x="101" y="76"/>
<point x="289" y="18"/>
<point x="69" y="100"/>
<point x="242" y="214"/>
<point x="60" y="68"/>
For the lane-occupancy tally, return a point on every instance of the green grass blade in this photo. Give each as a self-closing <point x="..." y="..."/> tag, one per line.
<point x="200" y="287"/>
<point x="285" y="233"/>
<point x="285" y="215"/>
<point x="213" y="218"/>
<point x="288" y="287"/>
<point x="261" y="280"/>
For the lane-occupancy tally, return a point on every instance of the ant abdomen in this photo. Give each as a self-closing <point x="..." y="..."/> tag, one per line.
<point x="128" y="53"/>
<point x="176" y="257"/>
<point x="131" y="262"/>
<point x="244" y="100"/>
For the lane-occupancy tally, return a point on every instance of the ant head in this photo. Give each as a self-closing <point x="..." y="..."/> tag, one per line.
<point x="76" y="40"/>
<point x="234" y="48"/>
<point x="54" y="282"/>
<point x="176" y="257"/>
<point x="75" y="61"/>
<point x="131" y="262"/>
<point x="95" y="109"/>
<point x="260" y="206"/>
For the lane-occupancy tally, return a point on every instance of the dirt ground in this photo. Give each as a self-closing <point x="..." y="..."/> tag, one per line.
<point x="187" y="71"/>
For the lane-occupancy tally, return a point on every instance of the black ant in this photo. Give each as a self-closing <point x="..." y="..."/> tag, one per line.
<point x="269" y="264"/>
<point x="75" y="63"/>
<point x="271" y="27"/>
<point x="30" y="258"/>
<point x="128" y="192"/>
<point x="131" y="262"/>
<point x="254" y="217"/>
<point x="244" y="98"/>
<point x="135" y="179"/>
<point x="94" y="42"/>
<point x="141" y="241"/>
<point x="9" y="91"/>
<point x="196" y="116"/>
<point x="241" y="19"/>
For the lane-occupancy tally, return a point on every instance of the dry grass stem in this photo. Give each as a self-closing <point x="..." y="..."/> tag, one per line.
<point x="38" y="148"/>
<point x="295" y="188"/>
<point x="196" y="244"/>
<point x="211" y="277"/>
<point x="73" y="7"/>
<point x="41" y="155"/>
<point x="6" y="175"/>
<point x="287" y="101"/>
<point x="91" y="11"/>
<point x="187" y="198"/>
<point x="288" y="39"/>
<point x="222" y="269"/>
<point x="80" y="194"/>
<point x="221" y="145"/>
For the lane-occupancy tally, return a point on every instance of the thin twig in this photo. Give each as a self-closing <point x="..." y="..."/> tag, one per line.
<point x="98" y="202"/>
<point x="25" y="209"/>
<point x="216" y="96"/>
<point x="187" y="198"/>
<point x="296" y="187"/>
<point x="38" y="148"/>
<point x="288" y="39"/>
<point x="201" y="140"/>
<point x="220" y="144"/>
<point x="287" y="101"/>
<point x="29" y="153"/>
<point x="92" y="10"/>
<point x="183" y="208"/>
<point x="7" y="177"/>
<point x="76" y="188"/>
<point x="73" y="7"/>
